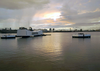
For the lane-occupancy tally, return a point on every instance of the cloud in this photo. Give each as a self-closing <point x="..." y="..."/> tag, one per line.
<point x="74" y="13"/>
<point x="82" y="18"/>
<point x="20" y="4"/>
<point x="38" y="13"/>
<point x="81" y="12"/>
<point x="22" y="11"/>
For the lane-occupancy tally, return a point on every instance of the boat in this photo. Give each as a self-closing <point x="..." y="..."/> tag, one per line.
<point x="24" y="32"/>
<point x="81" y="35"/>
<point x="7" y="36"/>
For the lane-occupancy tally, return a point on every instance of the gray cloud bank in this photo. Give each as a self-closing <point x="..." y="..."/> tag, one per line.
<point x="15" y="13"/>
<point x="20" y="4"/>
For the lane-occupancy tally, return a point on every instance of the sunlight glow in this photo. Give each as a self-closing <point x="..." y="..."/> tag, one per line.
<point x="53" y="15"/>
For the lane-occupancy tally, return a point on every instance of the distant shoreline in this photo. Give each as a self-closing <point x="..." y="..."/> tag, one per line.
<point x="70" y="32"/>
<point x="8" y="31"/>
<point x="15" y="31"/>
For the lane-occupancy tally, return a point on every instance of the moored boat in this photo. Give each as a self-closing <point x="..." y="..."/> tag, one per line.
<point x="81" y="35"/>
<point x="7" y="36"/>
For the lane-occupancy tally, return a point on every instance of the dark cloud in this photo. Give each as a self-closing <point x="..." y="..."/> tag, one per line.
<point x="19" y="12"/>
<point x="20" y="4"/>
<point x="81" y="12"/>
<point x="82" y="18"/>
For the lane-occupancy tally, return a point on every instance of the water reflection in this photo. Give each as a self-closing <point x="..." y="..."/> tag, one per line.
<point x="42" y="46"/>
<point x="52" y="47"/>
<point x="23" y="42"/>
<point x="58" y="52"/>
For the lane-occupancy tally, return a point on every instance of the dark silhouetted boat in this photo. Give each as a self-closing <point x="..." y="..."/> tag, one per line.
<point x="81" y="35"/>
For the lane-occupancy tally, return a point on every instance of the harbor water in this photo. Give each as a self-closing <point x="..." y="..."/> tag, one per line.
<point x="55" y="52"/>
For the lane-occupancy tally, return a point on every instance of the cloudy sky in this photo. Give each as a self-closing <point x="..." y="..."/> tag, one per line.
<point x="50" y="13"/>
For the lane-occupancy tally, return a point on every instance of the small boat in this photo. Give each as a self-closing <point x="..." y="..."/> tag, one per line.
<point x="7" y="36"/>
<point x="81" y="35"/>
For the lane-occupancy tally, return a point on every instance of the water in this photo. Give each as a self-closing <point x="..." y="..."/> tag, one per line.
<point x="58" y="52"/>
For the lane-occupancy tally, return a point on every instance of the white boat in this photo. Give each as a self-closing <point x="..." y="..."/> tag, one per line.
<point x="24" y="32"/>
<point x="7" y="36"/>
<point x="81" y="35"/>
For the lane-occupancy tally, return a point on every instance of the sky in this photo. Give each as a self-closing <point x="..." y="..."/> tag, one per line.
<point x="60" y="14"/>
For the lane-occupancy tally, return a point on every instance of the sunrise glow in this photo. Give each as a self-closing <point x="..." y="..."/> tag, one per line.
<point x="52" y="15"/>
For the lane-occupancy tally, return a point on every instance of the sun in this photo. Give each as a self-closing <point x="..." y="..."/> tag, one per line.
<point x="53" y="16"/>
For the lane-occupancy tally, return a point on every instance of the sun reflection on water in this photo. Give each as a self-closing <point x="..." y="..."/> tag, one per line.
<point x="52" y="48"/>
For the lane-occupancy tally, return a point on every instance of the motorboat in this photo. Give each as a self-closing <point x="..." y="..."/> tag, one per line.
<point x="7" y="36"/>
<point x="81" y="35"/>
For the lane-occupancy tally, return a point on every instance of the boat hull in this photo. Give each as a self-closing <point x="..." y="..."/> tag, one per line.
<point x="25" y="36"/>
<point x="39" y="35"/>
<point x="81" y="36"/>
<point x="7" y="36"/>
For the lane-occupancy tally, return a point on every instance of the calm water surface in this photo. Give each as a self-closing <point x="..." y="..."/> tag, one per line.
<point x="58" y="52"/>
